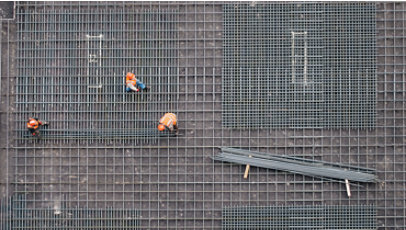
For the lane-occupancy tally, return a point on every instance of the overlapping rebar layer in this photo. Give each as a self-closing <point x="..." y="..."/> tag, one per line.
<point x="303" y="166"/>
<point x="72" y="66"/>
<point x="16" y="214"/>
<point x="5" y="213"/>
<point x="299" y="65"/>
<point x="300" y="217"/>
<point x="178" y="186"/>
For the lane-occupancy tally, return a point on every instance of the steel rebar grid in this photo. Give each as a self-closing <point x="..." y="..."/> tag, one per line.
<point x="174" y="183"/>
<point x="299" y="65"/>
<point x="17" y="214"/>
<point x="72" y="67"/>
<point x="101" y="178"/>
<point x="300" y="217"/>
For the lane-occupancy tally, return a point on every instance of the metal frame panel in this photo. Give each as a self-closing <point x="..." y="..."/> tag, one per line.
<point x="299" y="65"/>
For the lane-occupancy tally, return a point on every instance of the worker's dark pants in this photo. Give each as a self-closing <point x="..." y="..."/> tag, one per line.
<point x="34" y="132"/>
<point x="140" y="85"/>
<point x="173" y="128"/>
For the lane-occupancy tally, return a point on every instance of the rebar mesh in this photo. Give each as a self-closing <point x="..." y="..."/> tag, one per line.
<point x="173" y="182"/>
<point x="299" y="65"/>
<point x="5" y="213"/>
<point x="300" y="217"/>
<point x="16" y="213"/>
<point x="72" y="66"/>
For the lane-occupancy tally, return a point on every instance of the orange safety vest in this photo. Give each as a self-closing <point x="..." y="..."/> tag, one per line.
<point x="169" y="119"/>
<point x="33" y="124"/>
<point x="130" y="79"/>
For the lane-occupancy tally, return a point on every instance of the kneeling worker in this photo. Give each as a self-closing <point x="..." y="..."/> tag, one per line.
<point x="131" y="82"/>
<point x="33" y="125"/>
<point x="168" y="121"/>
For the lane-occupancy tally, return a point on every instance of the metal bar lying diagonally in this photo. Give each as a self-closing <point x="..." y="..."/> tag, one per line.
<point x="296" y="165"/>
<point x="81" y="133"/>
<point x="297" y="159"/>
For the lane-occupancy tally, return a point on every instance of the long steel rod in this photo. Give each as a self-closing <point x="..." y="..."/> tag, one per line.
<point x="291" y="158"/>
<point x="316" y="171"/>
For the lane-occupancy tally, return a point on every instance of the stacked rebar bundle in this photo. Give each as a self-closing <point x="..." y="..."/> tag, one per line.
<point x="298" y="165"/>
<point x="147" y="133"/>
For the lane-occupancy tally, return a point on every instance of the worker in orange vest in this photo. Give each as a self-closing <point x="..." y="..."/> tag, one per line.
<point x="33" y="125"/>
<point x="168" y="121"/>
<point x="133" y="84"/>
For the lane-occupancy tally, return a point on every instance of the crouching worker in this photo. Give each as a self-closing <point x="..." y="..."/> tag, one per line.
<point x="34" y="124"/>
<point x="169" y="122"/>
<point x="133" y="84"/>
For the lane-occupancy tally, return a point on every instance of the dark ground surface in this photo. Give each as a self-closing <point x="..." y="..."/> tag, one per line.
<point x="6" y="12"/>
<point x="6" y="9"/>
<point x="174" y="182"/>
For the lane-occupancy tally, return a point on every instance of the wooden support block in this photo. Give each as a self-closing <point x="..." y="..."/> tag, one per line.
<point x="347" y="186"/>
<point x="247" y="170"/>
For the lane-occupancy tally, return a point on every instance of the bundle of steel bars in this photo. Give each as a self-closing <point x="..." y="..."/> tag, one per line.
<point x="146" y="133"/>
<point x="303" y="166"/>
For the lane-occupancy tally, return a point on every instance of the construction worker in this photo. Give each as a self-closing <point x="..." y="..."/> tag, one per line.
<point x="168" y="121"/>
<point x="133" y="84"/>
<point x="33" y="125"/>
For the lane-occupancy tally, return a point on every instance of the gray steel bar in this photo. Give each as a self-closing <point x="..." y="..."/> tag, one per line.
<point x="297" y="167"/>
<point x="294" y="159"/>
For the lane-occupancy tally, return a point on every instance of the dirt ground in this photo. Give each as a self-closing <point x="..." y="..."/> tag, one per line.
<point x="7" y="9"/>
<point x="173" y="181"/>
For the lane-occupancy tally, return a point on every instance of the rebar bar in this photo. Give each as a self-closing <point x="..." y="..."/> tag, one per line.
<point x="308" y="168"/>
<point x="101" y="134"/>
<point x="294" y="159"/>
